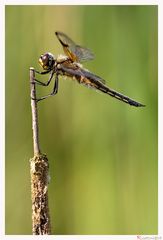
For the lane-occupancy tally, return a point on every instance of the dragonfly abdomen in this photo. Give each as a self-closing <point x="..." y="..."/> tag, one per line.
<point x="93" y="81"/>
<point x="103" y="88"/>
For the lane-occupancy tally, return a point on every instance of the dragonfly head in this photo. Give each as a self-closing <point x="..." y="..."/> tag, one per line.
<point x="47" y="61"/>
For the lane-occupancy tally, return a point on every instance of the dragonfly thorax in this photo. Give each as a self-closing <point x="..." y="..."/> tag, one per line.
<point x="47" y="61"/>
<point x="61" y="58"/>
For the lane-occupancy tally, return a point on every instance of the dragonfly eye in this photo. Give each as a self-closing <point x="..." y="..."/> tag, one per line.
<point x="47" y="61"/>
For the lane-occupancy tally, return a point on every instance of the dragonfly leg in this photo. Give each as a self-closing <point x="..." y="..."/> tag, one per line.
<point x="42" y="73"/>
<point x="42" y="83"/>
<point x="55" y="90"/>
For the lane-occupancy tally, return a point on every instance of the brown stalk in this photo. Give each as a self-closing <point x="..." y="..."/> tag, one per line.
<point x="39" y="170"/>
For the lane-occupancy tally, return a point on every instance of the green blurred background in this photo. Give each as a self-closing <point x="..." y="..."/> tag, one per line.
<point x="103" y="153"/>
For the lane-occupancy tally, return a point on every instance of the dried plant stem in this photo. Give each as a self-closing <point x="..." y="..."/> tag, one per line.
<point x="34" y="113"/>
<point x="39" y="169"/>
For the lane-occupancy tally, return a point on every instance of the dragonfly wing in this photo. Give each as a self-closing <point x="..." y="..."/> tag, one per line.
<point x="78" y="72"/>
<point x="83" y="54"/>
<point x="92" y="76"/>
<point x="75" y="52"/>
<point x="89" y="79"/>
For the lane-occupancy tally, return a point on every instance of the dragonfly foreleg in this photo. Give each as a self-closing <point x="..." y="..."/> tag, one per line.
<point x="42" y="83"/>
<point x="42" y="73"/>
<point x="55" y="90"/>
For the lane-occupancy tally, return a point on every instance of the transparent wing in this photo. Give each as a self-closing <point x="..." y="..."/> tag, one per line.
<point x="90" y="80"/>
<point x="76" y="71"/>
<point x="75" y="52"/>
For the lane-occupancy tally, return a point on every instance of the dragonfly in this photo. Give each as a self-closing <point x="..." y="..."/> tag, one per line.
<point x="69" y="65"/>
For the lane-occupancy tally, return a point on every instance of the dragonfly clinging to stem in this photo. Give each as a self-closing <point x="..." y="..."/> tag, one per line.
<point x="70" y="66"/>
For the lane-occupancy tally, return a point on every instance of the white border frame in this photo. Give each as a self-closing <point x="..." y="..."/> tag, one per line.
<point x="2" y="117"/>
